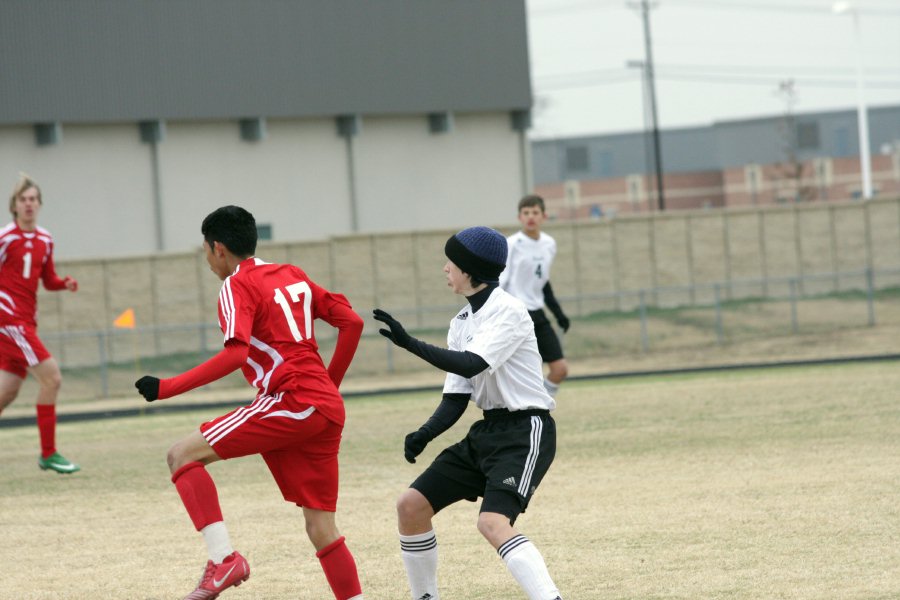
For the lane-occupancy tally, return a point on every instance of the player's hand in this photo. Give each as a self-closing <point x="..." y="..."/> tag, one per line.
<point x="396" y="333"/>
<point x="71" y="284"/>
<point x="413" y="445"/>
<point x="563" y="321"/>
<point x="148" y="387"/>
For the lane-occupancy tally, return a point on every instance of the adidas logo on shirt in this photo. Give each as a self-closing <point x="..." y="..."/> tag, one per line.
<point x="463" y="316"/>
<point x="510" y="481"/>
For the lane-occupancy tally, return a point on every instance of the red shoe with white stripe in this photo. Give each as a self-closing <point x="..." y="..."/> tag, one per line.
<point x="232" y="571"/>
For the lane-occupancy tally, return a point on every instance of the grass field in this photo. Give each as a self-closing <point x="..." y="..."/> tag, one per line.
<point x="780" y="483"/>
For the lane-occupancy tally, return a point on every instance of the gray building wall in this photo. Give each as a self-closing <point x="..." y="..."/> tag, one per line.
<point x="108" y="60"/>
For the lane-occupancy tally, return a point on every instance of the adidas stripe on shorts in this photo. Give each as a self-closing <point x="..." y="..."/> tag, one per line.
<point x="503" y="458"/>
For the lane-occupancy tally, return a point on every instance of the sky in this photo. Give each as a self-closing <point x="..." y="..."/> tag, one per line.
<point x="714" y="60"/>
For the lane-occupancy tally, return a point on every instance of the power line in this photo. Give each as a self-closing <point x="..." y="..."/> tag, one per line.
<point x="820" y="8"/>
<point x="574" y="6"/>
<point x="699" y="73"/>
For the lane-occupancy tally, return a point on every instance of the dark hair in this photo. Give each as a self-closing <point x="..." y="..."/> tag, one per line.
<point x="532" y="200"/>
<point x="475" y="282"/>
<point x="233" y="227"/>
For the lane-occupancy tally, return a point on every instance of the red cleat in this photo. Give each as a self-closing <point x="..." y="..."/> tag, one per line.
<point x="232" y="571"/>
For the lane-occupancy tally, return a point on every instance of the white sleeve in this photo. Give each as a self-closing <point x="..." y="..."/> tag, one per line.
<point x="505" y="274"/>
<point x="453" y="383"/>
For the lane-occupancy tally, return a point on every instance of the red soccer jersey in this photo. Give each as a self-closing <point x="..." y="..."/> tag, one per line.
<point x="271" y="308"/>
<point x="25" y="258"/>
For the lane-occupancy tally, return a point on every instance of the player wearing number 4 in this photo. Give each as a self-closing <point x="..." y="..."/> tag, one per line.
<point x="492" y="359"/>
<point x="26" y="257"/>
<point x="266" y="312"/>
<point x="527" y="277"/>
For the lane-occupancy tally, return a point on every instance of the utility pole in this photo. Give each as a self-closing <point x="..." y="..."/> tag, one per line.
<point x="650" y="84"/>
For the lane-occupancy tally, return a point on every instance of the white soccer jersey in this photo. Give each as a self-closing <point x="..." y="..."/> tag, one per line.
<point x="528" y="268"/>
<point x="502" y="333"/>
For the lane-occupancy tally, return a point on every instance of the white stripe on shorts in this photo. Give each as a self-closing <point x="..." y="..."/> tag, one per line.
<point x="16" y="333"/>
<point x="537" y="427"/>
<point x="239" y="417"/>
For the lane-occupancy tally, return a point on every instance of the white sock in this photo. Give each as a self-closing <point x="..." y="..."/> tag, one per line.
<point x="551" y="387"/>
<point x="420" y="557"/>
<point x="218" y="544"/>
<point x="527" y="566"/>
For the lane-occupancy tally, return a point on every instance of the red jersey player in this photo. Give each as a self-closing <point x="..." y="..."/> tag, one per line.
<point x="26" y="257"/>
<point x="266" y="312"/>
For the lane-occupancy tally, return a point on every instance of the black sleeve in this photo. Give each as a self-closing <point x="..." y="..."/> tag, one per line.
<point x="465" y="364"/>
<point x="551" y="302"/>
<point x="447" y="413"/>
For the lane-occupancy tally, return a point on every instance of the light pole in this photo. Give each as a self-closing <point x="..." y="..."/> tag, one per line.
<point x="862" y="114"/>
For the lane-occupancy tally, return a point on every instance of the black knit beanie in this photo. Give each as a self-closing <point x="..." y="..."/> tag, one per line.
<point x="478" y="251"/>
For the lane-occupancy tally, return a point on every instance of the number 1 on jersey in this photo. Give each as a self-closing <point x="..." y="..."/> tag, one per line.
<point x="26" y="265"/>
<point x="295" y="291"/>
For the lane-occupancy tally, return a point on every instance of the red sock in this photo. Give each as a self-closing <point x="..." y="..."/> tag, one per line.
<point x="198" y="493"/>
<point x="46" y="422"/>
<point x="340" y="569"/>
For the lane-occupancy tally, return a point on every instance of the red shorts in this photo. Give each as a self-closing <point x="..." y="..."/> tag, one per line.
<point x="299" y="445"/>
<point x="20" y="348"/>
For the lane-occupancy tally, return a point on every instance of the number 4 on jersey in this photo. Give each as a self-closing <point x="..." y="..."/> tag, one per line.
<point x="295" y="291"/>
<point x="538" y="272"/>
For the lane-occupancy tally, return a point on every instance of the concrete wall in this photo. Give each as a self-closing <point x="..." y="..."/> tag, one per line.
<point x="402" y="271"/>
<point x="96" y="186"/>
<point x="99" y="182"/>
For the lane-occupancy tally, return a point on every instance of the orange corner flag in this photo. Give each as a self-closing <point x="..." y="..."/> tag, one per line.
<point x="125" y="320"/>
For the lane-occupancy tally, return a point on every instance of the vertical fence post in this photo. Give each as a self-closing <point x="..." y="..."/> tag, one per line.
<point x="104" y="374"/>
<point x="833" y="243"/>
<point x="798" y="246"/>
<point x="689" y="250"/>
<point x="763" y="259"/>
<point x="870" y="295"/>
<point x="576" y="264"/>
<point x="643" y="312"/>
<point x="717" y="293"/>
<point x="617" y="272"/>
<point x="794" y="327"/>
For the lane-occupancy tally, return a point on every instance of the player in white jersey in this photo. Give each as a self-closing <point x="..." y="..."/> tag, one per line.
<point x="527" y="277"/>
<point x="492" y="359"/>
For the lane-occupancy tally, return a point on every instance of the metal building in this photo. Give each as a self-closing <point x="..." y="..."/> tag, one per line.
<point x="323" y="117"/>
<point x="722" y="145"/>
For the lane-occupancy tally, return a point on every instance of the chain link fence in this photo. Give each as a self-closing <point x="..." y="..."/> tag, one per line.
<point x="103" y="363"/>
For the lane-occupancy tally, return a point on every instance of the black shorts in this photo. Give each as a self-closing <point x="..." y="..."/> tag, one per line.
<point x="548" y="344"/>
<point x="503" y="459"/>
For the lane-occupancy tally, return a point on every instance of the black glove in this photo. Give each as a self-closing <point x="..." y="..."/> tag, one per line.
<point x="414" y="443"/>
<point x="148" y="387"/>
<point x="563" y="321"/>
<point x="396" y="334"/>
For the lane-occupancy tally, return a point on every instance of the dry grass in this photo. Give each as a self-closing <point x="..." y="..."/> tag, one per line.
<point x="747" y="485"/>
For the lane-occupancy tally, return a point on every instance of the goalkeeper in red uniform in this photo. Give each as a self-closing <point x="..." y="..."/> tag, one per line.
<point x="26" y="257"/>
<point x="267" y="312"/>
